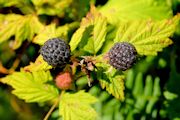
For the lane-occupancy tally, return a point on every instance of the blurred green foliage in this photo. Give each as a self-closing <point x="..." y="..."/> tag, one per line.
<point x="151" y="87"/>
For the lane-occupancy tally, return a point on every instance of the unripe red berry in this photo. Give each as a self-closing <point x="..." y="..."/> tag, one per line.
<point x="64" y="81"/>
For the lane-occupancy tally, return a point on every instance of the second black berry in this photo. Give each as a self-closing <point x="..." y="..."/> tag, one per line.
<point x="122" y="55"/>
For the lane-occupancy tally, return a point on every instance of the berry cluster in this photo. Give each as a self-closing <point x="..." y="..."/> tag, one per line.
<point x="122" y="55"/>
<point x="56" y="52"/>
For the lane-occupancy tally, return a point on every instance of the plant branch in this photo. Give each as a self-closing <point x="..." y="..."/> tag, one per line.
<point x="53" y="107"/>
<point x="19" y="56"/>
<point x="3" y="70"/>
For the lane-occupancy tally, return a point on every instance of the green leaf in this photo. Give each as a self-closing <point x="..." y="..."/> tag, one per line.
<point x="4" y="3"/>
<point x="123" y="10"/>
<point x="111" y="33"/>
<point x="114" y="86"/>
<point x="52" y="7"/>
<point x="24" y="5"/>
<point x="32" y="87"/>
<point x="148" y="86"/>
<point x="99" y="33"/>
<point x="140" y="103"/>
<point x="97" y="36"/>
<point x="157" y="88"/>
<point x="77" y="106"/>
<point x="46" y="33"/>
<point x="8" y="18"/>
<point x="110" y="78"/>
<point x="148" y="37"/>
<point x="155" y="95"/>
<point x="8" y="26"/>
<point x="169" y="95"/>
<point x="38" y="65"/>
<point x="63" y="31"/>
<point x="51" y="31"/>
<point x="138" y="86"/>
<point x="76" y="38"/>
<point x="130" y="79"/>
<point x="22" y="27"/>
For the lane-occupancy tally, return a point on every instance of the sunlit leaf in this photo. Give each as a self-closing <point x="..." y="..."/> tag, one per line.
<point x="24" y="6"/>
<point x="147" y="36"/>
<point x="51" y="7"/>
<point x="32" y="87"/>
<point x="170" y="96"/>
<point x="76" y="38"/>
<point x="9" y="18"/>
<point x="46" y="33"/>
<point x="4" y="3"/>
<point x="109" y="80"/>
<point x="114" y="86"/>
<point x="77" y="106"/>
<point x="51" y="31"/>
<point x="22" y="27"/>
<point x="38" y="65"/>
<point x="97" y="35"/>
<point x="8" y="26"/>
<point x="124" y="10"/>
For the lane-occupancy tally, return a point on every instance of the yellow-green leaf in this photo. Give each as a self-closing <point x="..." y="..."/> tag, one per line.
<point x="46" y="33"/>
<point x="110" y="79"/>
<point x="4" y="19"/>
<point x="77" y="106"/>
<point x="22" y="27"/>
<point x="123" y="10"/>
<point x="5" y="3"/>
<point x="32" y="87"/>
<point x="52" y="7"/>
<point x="24" y="6"/>
<point x="97" y="35"/>
<point x="38" y="65"/>
<point x="147" y="36"/>
<point x="114" y="86"/>
<point x="76" y="38"/>
<point x="51" y="31"/>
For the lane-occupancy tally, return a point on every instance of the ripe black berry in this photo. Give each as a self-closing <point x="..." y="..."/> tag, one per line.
<point x="55" y="52"/>
<point x="122" y="55"/>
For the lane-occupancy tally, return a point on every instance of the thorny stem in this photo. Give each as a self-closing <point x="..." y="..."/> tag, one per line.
<point x="53" y="107"/>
